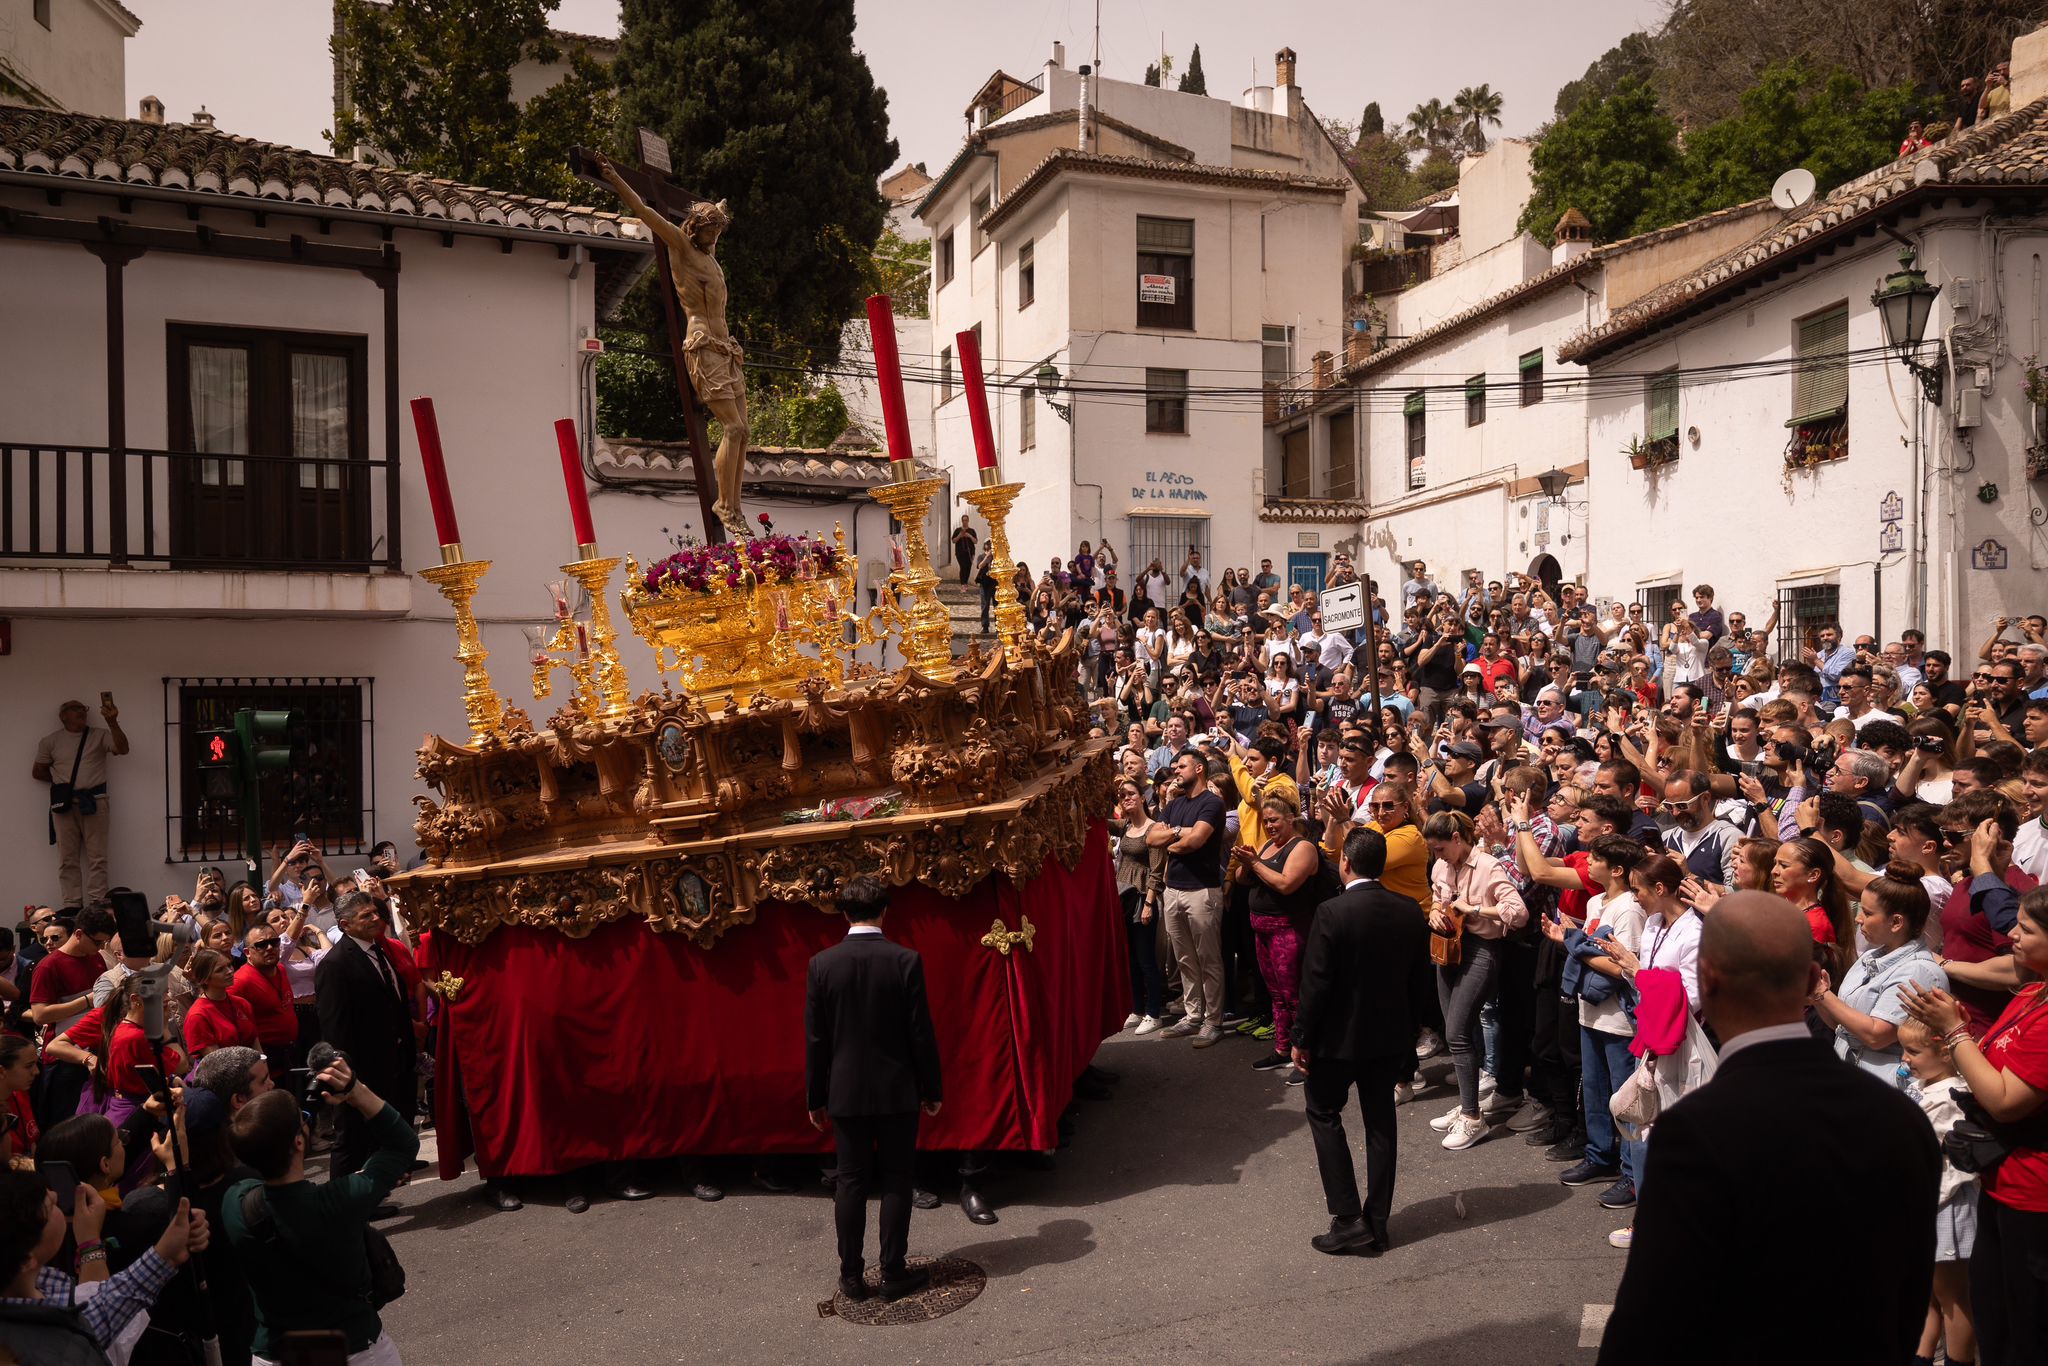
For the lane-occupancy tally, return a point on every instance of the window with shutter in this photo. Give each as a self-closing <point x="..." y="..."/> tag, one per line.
<point x="1475" y="400"/>
<point x="1341" y="477"/>
<point x="1412" y="416"/>
<point x="975" y="213"/>
<point x="1166" y="401"/>
<point x="1532" y="378"/>
<point x="945" y="374"/>
<point x="1297" y="475"/>
<point x="1166" y="272"/>
<point x="1027" y="275"/>
<point x="1660" y="406"/>
<point x="1027" y="417"/>
<point x="1821" y="384"/>
<point x="945" y="259"/>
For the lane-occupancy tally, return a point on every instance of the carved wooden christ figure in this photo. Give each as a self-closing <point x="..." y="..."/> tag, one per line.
<point x="713" y="358"/>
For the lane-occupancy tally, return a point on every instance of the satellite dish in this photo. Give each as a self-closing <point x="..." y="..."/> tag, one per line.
<point x="1793" y="189"/>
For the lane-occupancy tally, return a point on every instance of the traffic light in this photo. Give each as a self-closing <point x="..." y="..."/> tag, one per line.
<point x="265" y="740"/>
<point x="216" y="749"/>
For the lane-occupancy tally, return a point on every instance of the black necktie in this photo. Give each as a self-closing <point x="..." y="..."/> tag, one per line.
<point x="384" y="968"/>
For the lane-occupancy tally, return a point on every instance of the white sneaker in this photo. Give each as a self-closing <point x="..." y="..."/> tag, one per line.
<point x="1464" y="1133"/>
<point x="1622" y="1237"/>
<point x="1131" y="1020"/>
<point x="1181" y="1028"/>
<point x="1210" y="1036"/>
<point x="1488" y="1084"/>
<point x="1147" y="1025"/>
<point x="1531" y="1117"/>
<point x="1495" y="1107"/>
<point x="1428" y="1044"/>
<point x="1443" y="1122"/>
<point x="1403" y="1093"/>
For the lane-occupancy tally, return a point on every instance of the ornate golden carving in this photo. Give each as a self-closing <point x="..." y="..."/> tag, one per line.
<point x="458" y="583"/>
<point x="926" y="626"/>
<point x="445" y="986"/>
<point x="993" y="502"/>
<point x="1002" y="939"/>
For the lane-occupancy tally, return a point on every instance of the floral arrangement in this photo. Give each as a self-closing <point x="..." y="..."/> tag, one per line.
<point x="724" y="566"/>
<point x="2036" y="388"/>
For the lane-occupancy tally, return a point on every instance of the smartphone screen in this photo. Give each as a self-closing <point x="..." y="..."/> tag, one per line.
<point x="131" y="921"/>
<point x="63" y="1183"/>
<point x="152" y="1078"/>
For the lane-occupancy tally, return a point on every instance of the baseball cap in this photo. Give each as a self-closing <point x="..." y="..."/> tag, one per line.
<point x="1471" y="669"/>
<point x="1465" y="749"/>
<point x="1501" y="722"/>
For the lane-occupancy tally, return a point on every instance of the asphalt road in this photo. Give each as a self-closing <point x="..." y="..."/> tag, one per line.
<point x="1177" y="1224"/>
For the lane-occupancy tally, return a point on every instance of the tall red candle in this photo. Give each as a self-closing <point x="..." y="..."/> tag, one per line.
<point x="445" y="530"/>
<point x="977" y="400"/>
<point x="572" y="479"/>
<point x="889" y="377"/>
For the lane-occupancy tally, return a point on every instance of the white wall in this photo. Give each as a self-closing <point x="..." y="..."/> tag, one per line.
<point x="1474" y="280"/>
<point x="77" y="61"/>
<point x="1728" y="511"/>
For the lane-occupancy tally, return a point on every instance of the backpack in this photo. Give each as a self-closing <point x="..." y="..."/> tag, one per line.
<point x="387" y="1275"/>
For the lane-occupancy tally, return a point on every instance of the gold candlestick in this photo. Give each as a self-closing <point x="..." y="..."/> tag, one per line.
<point x="458" y="580"/>
<point x="926" y="626"/>
<point x="607" y="691"/>
<point x="993" y="500"/>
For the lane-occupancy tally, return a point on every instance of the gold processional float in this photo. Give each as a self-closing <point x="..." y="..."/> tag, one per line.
<point x="782" y="765"/>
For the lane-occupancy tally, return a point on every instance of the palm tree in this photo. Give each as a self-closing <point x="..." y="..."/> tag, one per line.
<point x="1429" y="125"/>
<point x="1475" y="107"/>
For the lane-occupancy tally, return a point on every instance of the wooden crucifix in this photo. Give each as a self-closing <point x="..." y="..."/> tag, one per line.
<point x="717" y="488"/>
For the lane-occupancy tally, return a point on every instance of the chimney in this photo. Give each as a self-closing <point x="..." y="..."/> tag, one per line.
<point x="1059" y="56"/>
<point x="152" y="110"/>
<point x="1324" y="368"/>
<point x="1286" y="94"/>
<point x="1087" y="115"/>
<point x="201" y="119"/>
<point x="1574" y="237"/>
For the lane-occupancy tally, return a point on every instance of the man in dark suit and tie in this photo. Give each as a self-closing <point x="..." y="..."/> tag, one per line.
<point x="871" y="1061"/>
<point x="1786" y="1138"/>
<point x="1366" y="960"/>
<point x="361" y="1000"/>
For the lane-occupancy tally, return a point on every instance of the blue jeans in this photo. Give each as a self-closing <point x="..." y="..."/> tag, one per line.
<point x="1605" y="1063"/>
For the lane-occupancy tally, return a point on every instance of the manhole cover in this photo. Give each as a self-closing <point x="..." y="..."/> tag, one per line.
<point x="955" y="1284"/>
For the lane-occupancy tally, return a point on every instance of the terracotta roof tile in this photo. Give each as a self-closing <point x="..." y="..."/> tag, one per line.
<point x="2012" y="150"/>
<point x="178" y="156"/>
<point x="1137" y="168"/>
<point x="1312" y="510"/>
<point x="1542" y="282"/>
<point x="785" y="465"/>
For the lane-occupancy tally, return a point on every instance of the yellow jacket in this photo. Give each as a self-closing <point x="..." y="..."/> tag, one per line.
<point x="1250" y="828"/>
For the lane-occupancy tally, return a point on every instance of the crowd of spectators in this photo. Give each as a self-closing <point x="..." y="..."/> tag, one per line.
<point x="130" y="1154"/>
<point x="1566" y="790"/>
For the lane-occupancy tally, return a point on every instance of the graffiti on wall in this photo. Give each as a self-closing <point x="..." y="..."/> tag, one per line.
<point x="1168" y="486"/>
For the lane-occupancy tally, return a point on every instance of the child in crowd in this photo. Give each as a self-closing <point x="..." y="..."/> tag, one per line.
<point x="1934" y="1084"/>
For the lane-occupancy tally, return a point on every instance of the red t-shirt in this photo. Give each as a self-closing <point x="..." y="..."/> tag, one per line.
<point x="26" y="1131"/>
<point x="269" y="999"/>
<point x="86" y="1031"/>
<point x="1492" y="671"/>
<point x="213" y="1024"/>
<point x="1571" y="901"/>
<point x="63" y="976"/>
<point x="1817" y="923"/>
<point x="2021" y="1181"/>
<point x="130" y="1049"/>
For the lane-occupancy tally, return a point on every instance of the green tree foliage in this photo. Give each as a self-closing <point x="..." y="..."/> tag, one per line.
<point x="1372" y="123"/>
<point x="429" y="85"/>
<point x="767" y="105"/>
<point x="1604" y="159"/>
<point x="1475" y="109"/>
<point x="903" y="271"/>
<point x="1634" y="55"/>
<point x="1430" y="125"/>
<point x="1152" y="74"/>
<point x="1438" y="171"/>
<point x="1618" y="161"/>
<point x="1192" y="82"/>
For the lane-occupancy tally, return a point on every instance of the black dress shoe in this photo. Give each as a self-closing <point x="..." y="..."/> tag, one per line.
<point x="387" y="1210"/>
<point x="905" y="1283"/>
<point x="501" y="1197"/>
<point x="632" y="1190"/>
<point x="1543" y="1135"/>
<point x="1570" y="1150"/>
<point x="976" y="1209"/>
<point x="576" y="1203"/>
<point x="923" y="1199"/>
<point x="855" y="1288"/>
<point x="773" y="1184"/>
<point x="707" y="1192"/>
<point x="1348" y="1237"/>
<point x="419" y="1164"/>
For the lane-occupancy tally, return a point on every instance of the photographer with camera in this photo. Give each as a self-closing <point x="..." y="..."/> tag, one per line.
<point x="73" y="760"/>
<point x="312" y="1260"/>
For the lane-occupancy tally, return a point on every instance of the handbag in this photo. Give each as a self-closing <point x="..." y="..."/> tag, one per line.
<point x="1977" y="1142"/>
<point x="387" y="1274"/>
<point x="1447" y="947"/>
<point x="1635" y="1101"/>
<point x="63" y="794"/>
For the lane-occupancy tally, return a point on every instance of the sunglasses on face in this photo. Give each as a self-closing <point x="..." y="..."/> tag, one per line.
<point x="1383" y="806"/>
<point x="258" y="945"/>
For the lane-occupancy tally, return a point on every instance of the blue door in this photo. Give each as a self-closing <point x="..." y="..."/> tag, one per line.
<point x="1307" y="568"/>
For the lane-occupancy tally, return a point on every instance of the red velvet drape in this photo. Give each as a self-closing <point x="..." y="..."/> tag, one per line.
<point x="558" y="1052"/>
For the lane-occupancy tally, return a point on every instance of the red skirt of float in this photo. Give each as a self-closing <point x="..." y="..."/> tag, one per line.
<point x="558" y="1052"/>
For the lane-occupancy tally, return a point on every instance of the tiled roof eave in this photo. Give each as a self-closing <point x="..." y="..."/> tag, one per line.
<point x="1313" y="510"/>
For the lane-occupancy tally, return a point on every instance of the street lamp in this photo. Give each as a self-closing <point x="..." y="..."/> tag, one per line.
<point x="1049" y="383"/>
<point x="1553" y="483"/>
<point x="1905" y="303"/>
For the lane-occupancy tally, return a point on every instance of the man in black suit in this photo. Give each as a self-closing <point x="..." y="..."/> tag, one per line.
<point x="1786" y="1137"/>
<point x="1367" y="959"/>
<point x="871" y="1061"/>
<point x="361" y="1000"/>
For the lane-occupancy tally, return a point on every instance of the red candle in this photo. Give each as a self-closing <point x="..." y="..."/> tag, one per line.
<point x="977" y="400"/>
<point x="889" y="378"/>
<point x="572" y="479"/>
<point x="445" y="530"/>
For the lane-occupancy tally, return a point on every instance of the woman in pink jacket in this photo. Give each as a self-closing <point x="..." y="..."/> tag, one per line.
<point x="1476" y="906"/>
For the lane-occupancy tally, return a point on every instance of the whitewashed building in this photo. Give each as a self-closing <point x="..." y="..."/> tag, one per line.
<point x="1136" y="261"/>
<point x="210" y="490"/>
<point x="1795" y="458"/>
